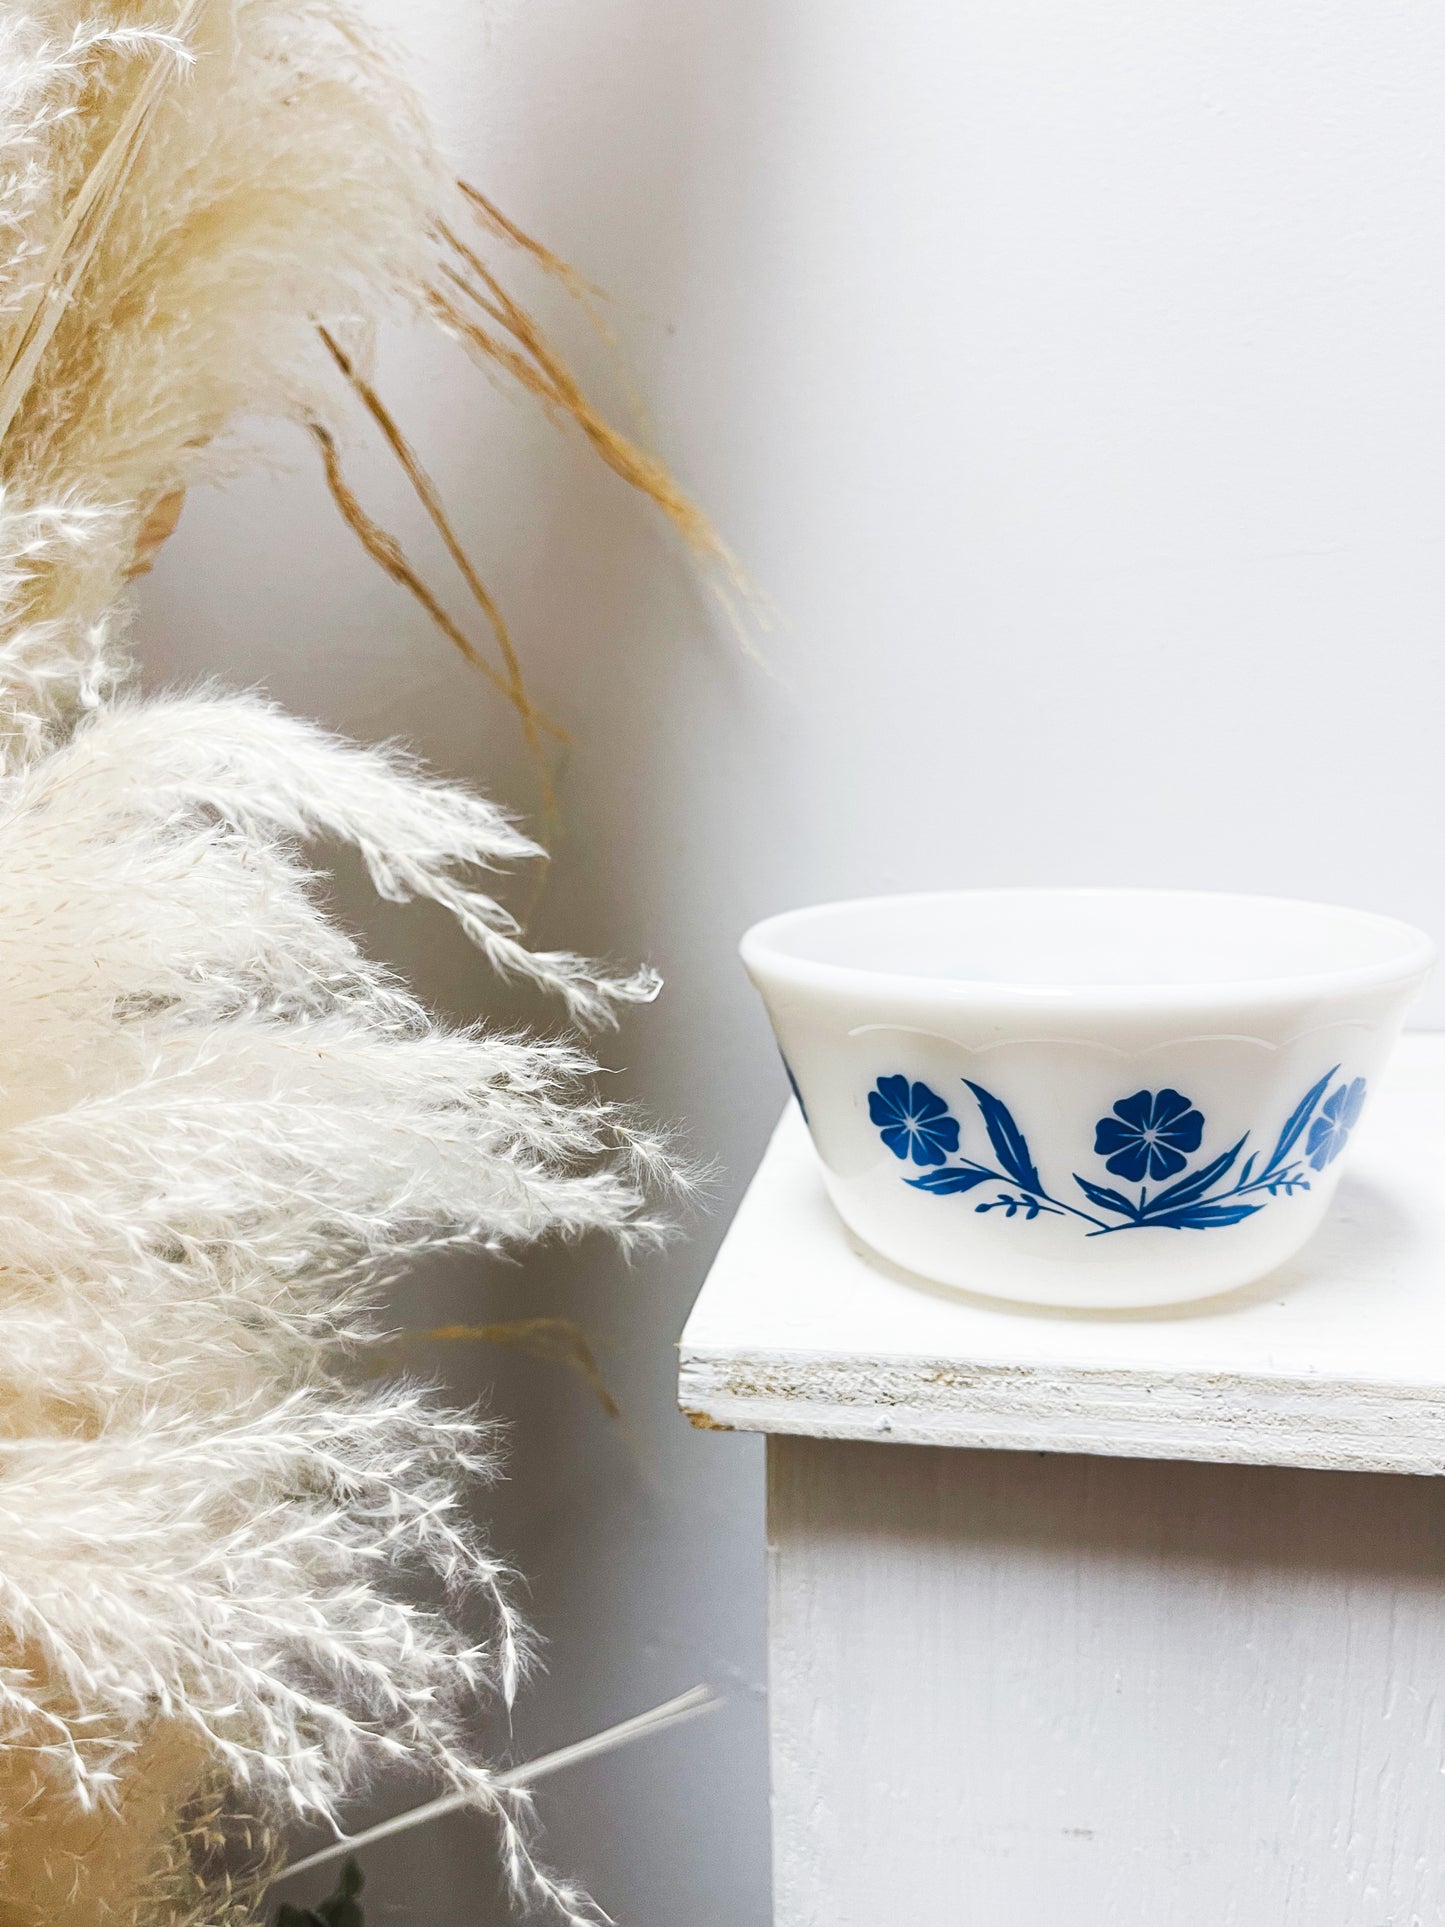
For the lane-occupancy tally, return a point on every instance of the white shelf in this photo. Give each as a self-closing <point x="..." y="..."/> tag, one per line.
<point x="1336" y="1361"/>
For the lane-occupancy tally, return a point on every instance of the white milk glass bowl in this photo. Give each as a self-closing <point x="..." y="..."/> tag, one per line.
<point x="1097" y="1098"/>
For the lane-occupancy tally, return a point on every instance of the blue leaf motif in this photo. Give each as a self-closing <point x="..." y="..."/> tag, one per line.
<point x="1006" y="1138"/>
<point x="1108" y="1200"/>
<point x="944" y="1184"/>
<point x="1189" y="1189"/>
<point x="1201" y="1217"/>
<point x="1011" y="1206"/>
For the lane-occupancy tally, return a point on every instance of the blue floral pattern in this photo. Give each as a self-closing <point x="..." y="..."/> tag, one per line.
<point x="1330" y="1132"/>
<point x="1149" y="1137"/>
<point x="913" y="1121"/>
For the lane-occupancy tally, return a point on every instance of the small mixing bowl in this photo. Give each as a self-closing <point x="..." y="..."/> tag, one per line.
<point x="1095" y="1098"/>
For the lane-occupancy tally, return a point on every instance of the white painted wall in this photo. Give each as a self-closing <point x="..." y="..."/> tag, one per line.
<point x="1070" y="373"/>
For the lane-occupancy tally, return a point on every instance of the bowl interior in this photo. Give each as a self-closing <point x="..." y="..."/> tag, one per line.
<point x="1092" y="939"/>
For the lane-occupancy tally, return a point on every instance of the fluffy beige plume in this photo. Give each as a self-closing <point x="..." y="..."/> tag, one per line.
<point x="203" y="213"/>
<point x="222" y="1128"/>
<point x="284" y="177"/>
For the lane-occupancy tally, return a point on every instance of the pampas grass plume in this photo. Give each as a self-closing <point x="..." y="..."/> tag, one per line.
<point x="223" y="1129"/>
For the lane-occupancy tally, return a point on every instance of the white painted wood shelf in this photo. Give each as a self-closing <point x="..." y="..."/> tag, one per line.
<point x="1336" y="1362"/>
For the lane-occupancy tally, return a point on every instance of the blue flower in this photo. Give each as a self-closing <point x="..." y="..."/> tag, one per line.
<point x="912" y="1118"/>
<point x="1339" y="1114"/>
<point x="1148" y="1135"/>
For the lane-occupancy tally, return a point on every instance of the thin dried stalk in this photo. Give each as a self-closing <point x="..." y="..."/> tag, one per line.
<point x="426" y="492"/>
<point x="384" y="549"/>
<point x="687" y="1706"/>
<point x="541" y="370"/>
<point x="591" y="299"/>
<point x="584" y="292"/>
<point x="556" y="1341"/>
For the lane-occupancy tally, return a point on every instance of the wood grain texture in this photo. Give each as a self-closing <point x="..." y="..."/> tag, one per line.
<point x="1336" y="1361"/>
<point x="1029" y="1690"/>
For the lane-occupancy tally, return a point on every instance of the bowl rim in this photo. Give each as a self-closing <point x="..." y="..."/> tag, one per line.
<point x="763" y="960"/>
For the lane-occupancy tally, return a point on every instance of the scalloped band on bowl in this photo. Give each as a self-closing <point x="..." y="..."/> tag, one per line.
<point x="1084" y="1098"/>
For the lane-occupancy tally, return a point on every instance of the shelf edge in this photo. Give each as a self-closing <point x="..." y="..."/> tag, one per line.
<point x="1223" y="1417"/>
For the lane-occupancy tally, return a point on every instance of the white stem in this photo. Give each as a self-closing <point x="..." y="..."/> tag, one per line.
<point x="699" y="1699"/>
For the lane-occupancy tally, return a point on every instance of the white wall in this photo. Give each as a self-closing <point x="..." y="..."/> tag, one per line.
<point x="1070" y="374"/>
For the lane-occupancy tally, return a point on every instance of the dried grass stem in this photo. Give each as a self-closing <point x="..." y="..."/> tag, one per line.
<point x="533" y="719"/>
